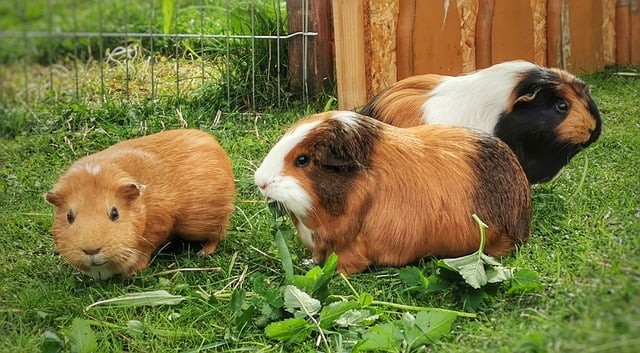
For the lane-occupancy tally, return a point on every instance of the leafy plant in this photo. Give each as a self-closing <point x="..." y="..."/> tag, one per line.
<point x="475" y="276"/>
<point x="305" y="308"/>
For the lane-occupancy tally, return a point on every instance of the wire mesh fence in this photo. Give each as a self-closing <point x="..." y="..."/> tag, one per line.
<point x="234" y="52"/>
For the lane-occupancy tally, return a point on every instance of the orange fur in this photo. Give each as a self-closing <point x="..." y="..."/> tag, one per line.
<point x="580" y="124"/>
<point x="416" y="197"/>
<point x="185" y="187"/>
<point x="401" y="104"/>
<point x="525" y="109"/>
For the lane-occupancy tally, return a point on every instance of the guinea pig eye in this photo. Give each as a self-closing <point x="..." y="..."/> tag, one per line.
<point x="113" y="214"/>
<point x="562" y="106"/>
<point x="302" y="161"/>
<point x="70" y="217"/>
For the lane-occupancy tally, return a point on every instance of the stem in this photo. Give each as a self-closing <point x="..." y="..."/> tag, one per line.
<point x="344" y="278"/>
<point x="421" y="308"/>
<point x="483" y="232"/>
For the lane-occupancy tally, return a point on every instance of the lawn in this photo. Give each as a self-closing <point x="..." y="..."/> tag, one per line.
<point x="584" y="248"/>
<point x="583" y="255"/>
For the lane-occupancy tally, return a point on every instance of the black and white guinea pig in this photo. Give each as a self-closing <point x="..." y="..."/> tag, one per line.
<point x="545" y="115"/>
<point x="376" y="194"/>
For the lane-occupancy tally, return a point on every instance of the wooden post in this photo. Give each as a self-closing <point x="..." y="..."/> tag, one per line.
<point x="634" y="28"/>
<point x="609" y="31"/>
<point x="349" y="31"/>
<point x="319" y="57"/>
<point x="554" y="33"/>
<point x="483" y="33"/>
<point x="623" y="33"/>
<point x="404" y="38"/>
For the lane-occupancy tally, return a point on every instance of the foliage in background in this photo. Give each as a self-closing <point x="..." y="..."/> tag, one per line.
<point x="233" y="74"/>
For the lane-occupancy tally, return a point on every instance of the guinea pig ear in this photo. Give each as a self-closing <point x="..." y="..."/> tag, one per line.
<point x="347" y="150"/>
<point x="529" y="96"/>
<point x="130" y="191"/>
<point x="333" y="157"/>
<point x="54" y="198"/>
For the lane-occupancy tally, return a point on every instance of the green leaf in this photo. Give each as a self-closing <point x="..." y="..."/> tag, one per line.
<point x="470" y="267"/>
<point x="151" y="298"/>
<point x="365" y="299"/>
<point x="498" y="274"/>
<point x="292" y="330"/>
<point x="237" y="300"/>
<point x="299" y="303"/>
<point x="316" y="280"/>
<point x="356" y="318"/>
<point x="525" y="281"/>
<point x="332" y="312"/>
<point x="52" y="343"/>
<point x="473" y="267"/>
<point x="168" y="9"/>
<point x="284" y="255"/>
<point x="82" y="337"/>
<point x="472" y="298"/>
<point x="270" y="294"/>
<point x="427" y="327"/>
<point x="135" y="328"/>
<point x="382" y="337"/>
<point x="413" y="278"/>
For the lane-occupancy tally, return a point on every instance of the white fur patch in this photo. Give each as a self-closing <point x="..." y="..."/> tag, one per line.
<point x="475" y="100"/>
<point x="348" y="118"/>
<point x="93" y="169"/>
<point x="272" y="180"/>
<point x="305" y="234"/>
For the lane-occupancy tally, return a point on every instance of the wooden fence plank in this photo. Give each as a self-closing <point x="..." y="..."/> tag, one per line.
<point x="623" y="33"/>
<point x="586" y="53"/>
<point x="554" y="33"/>
<point x="319" y="59"/>
<point x="634" y="27"/>
<point x="435" y="39"/>
<point x="609" y="31"/>
<point x="380" y="27"/>
<point x="484" y="22"/>
<point x="349" y="31"/>
<point x="512" y="31"/>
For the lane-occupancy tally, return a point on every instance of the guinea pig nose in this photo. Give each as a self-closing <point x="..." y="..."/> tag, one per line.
<point x="91" y="251"/>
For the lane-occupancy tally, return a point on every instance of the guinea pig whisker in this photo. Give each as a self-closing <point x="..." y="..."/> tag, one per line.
<point x="278" y="209"/>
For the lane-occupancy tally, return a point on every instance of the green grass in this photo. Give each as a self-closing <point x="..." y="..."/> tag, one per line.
<point x="235" y="74"/>
<point x="584" y="245"/>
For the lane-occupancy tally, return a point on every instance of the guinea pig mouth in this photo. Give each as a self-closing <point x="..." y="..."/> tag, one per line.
<point x="277" y="208"/>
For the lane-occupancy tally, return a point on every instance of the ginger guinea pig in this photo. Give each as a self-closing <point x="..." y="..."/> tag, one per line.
<point x="545" y="115"/>
<point x="376" y="194"/>
<point x="114" y="208"/>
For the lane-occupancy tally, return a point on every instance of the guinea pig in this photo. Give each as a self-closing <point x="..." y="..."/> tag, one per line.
<point x="376" y="194"/>
<point x="114" y="208"/>
<point x="545" y="115"/>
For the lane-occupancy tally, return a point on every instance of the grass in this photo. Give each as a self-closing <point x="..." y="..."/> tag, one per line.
<point x="235" y="74"/>
<point x="584" y="244"/>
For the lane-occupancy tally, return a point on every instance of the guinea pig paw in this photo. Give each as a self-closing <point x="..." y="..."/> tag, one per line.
<point x="207" y="248"/>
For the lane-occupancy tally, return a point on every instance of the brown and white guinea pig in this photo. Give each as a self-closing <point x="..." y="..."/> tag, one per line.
<point x="376" y="194"/>
<point x="545" y="115"/>
<point x="114" y="208"/>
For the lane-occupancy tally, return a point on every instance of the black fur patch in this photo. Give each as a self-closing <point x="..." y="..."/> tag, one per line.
<point x="341" y="151"/>
<point x="529" y="128"/>
<point x="495" y="189"/>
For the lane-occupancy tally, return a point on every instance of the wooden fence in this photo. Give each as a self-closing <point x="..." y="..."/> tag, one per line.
<point x="377" y="42"/>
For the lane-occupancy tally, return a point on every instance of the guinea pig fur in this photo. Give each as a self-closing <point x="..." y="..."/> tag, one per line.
<point x="545" y="115"/>
<point x="114" y="208"/>
<point x="376" y="194"/>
